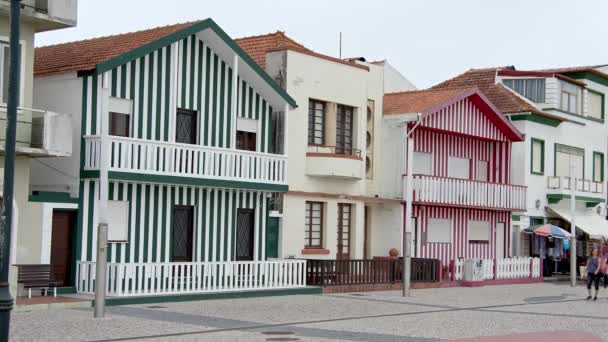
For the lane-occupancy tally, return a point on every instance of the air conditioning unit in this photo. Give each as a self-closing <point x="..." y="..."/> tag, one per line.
<point x="473" y="270"/>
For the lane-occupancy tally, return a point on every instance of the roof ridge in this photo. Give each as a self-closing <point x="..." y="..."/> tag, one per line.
<point x="428" y="89"/>
<point x="261" y="35"/>
<point x="119" y="34"/>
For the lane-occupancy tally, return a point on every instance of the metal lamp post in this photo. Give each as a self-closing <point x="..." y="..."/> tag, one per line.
<point x="6" y="221"/>
<point x="572" y="226"/>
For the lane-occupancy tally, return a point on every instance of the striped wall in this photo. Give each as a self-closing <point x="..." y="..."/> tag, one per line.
<point x="187" y="74"/>
<point x="443" y="146"/>
<point x="459" y="247"/>
<point x="150" y="221"/>
<point x="464" y="117"/>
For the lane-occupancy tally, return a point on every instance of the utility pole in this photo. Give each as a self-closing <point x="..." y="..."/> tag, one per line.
<point x="572" y="226"/>
<point x="6" y="220"/>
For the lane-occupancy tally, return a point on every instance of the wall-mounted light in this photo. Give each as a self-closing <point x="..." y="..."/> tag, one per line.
<point x="537" y="204"/>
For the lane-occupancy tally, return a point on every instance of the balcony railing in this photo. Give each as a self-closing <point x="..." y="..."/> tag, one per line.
<point x="174" y="159"/>
<point x="468" y="193"/>
<point x="52" y="132"/>
<point x="582" y="185"/>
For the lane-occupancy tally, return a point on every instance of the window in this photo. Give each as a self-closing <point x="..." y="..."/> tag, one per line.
<point x="423" y="163"/>
<point x="569" y="98"/>
<point x="313" y="220"/>
<point x="482" y="171"/>
<point x="567" y="156"/>
<point x="245" y="141"/>
<point x="4" y="67"/>
<point x="479" y="231"/>
<point x="537" y="156"/>
<point x="532" y="89"/>
<point x="316" y="122"/>
<point x="185" y="128"/>
<point x="598" y="167"/>
<point x="344" y="211"/>
<point x="344" y="130"/>
<point x="459" y="167"/>
<point x="118" y="213"/>
<point x="595" y="104"/>
<point x="119" y="124"/>
<point x="439" y="230"/>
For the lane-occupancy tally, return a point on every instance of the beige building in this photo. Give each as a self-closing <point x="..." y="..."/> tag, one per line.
<point x="40" y="133"/>
<point x="333" y="208"/>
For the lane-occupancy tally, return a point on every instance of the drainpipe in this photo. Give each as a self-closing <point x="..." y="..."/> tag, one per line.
<point x="6" y="221"/>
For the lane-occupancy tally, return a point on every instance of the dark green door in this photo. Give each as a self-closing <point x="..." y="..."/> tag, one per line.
<point x="272" y="237"/>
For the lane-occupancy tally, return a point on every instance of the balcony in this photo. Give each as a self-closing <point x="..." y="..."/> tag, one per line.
<point x="432" y="190"/>
<point x="183" y="160"/>
<point x="46" y="14"/>
<point x="323" y="161"/>
<point x="559" y="188"/>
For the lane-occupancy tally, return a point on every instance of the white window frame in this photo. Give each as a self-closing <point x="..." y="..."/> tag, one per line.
<point x="479" y="231"/>
<point x="118" y="229"/>
<point x="434" y="233"/>
<point x="22" y="80"/>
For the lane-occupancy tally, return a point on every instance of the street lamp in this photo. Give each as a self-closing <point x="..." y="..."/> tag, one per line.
<point x="408" y="193"/>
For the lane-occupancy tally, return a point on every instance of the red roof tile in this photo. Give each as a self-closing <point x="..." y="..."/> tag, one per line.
<point x="83" y="55"/>
<point x="590" y="68"/>
<point x="417" y="101"/>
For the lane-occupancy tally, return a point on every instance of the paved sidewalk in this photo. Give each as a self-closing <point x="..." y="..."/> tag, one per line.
<point x="536" y="312"/>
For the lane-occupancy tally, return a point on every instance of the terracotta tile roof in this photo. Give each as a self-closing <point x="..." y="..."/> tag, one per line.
<point x="85" y="54"/>
<point x="258" y="46"/>
<point x="485" y="80"/>
<point x="417" y="101"/>
<point x="589" y="68"/>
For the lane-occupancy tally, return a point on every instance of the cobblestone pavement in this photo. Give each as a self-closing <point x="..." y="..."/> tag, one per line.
<point x="537" y="312"/>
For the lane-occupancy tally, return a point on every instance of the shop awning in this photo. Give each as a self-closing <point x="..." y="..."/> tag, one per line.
<point x="586" y="220"/>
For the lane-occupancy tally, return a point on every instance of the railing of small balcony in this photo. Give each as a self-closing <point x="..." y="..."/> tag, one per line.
<point x="582" y="185"/>
<point x="164" y="158"/>
<point x="347" y="151"/>
<point x="470" y="193"/>
<point x="154" y="278"/>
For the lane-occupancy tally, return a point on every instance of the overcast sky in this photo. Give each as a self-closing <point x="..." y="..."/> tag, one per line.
<point x="427" y="40"/>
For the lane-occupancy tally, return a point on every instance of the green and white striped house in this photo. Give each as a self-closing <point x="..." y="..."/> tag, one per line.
<point x="187" y="132"/>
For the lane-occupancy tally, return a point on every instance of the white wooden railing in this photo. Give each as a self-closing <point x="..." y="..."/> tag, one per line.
<point x="582" y="185"/>
<point x="507" y="268"/>
<point x="143" y="279"/>
<point x="175" y="159"/>
<point x="470" y="193"/>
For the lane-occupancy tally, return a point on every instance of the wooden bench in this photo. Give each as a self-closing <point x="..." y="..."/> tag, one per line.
<point x="37" y="276"/>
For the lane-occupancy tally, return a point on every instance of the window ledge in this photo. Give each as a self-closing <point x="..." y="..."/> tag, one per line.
<point x="308" y="251"/>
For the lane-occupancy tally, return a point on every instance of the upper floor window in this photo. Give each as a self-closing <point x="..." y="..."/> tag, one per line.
<point x="119" y="116"/>
<point x="344" y="130"/>
<point x="595" y="104"/>
<point x="459" y="167"/>
<point x="423" y="163"/>
<point x="316" y="122"/>
<point x="569" y="98"/>
<point x="245" y="140"/>
<point x="598" y="167"/>
<point x="532" y="89"/>
<point x="569" y="161"/>
<point x="4" y="70"/>
<point x="185" y="126"/>
<point x="538" y="156"/>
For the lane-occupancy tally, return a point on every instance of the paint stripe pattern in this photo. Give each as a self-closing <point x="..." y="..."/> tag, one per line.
<point x="150" y="221"/>
<point x="460" y="246"/>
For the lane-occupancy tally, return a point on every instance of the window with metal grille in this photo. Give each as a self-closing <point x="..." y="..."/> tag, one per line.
<point x="532" y="89"/>
<point x="313" y="220"/>
<point x="344" y="130"/>
<point x="316" y="122"/>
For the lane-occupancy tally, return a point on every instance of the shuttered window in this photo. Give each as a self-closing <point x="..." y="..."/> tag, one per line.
<point x="422" y="163"/>
<point x="567" y="156"/>
<point x="118" y="213"/>
<point x="439" y="230"/>
<point x="598" y="167"/>
<point x="316" y="122"/>
<point x="482" y="171"/>
<point x="313" y="222"/>
<point x="595" y="103"/>
<point x="538" y="156"/>
<point x="479" y="231"/>
<point x="459" y="167"/>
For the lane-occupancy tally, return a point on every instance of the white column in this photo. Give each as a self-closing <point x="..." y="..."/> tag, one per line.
<point x="104" y="158"/>
<point x="174" y="81"/>
<point x="234" y="104"/>
<point x="572" y="226"/>
<point x="285" y="130"/>
<point x="408" y="217"/>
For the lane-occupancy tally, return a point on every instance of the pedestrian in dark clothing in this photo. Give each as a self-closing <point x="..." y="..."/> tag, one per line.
<point x="593" y="273"/>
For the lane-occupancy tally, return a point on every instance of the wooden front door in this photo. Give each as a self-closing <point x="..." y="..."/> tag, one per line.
<point x="61" y="244"/>
<point x="244" y="234"/>
<point x="344" y="223"/>
<point x="183" y="227"/>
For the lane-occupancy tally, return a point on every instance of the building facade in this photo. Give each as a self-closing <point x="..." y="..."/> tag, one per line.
<point x="334" y="208"/>
<point x="462" y="191"/>
<point x="179" y="121"/>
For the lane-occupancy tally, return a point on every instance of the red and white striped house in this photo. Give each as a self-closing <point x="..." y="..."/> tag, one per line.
<point x="462" y="195"/>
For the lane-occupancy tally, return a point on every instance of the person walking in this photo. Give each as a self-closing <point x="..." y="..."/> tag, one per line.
<point x="603" y="266"/>
<point x="593" y="273"/>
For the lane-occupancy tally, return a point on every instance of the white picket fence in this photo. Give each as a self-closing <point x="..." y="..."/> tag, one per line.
<point x="141" y="279"/>
<point x="508" y="268"/>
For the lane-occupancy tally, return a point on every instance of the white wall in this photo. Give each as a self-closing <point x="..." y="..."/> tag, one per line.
<point x="394" y="81"/>
<point x="63" y="94"/>
<point x="387" y="224"/>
